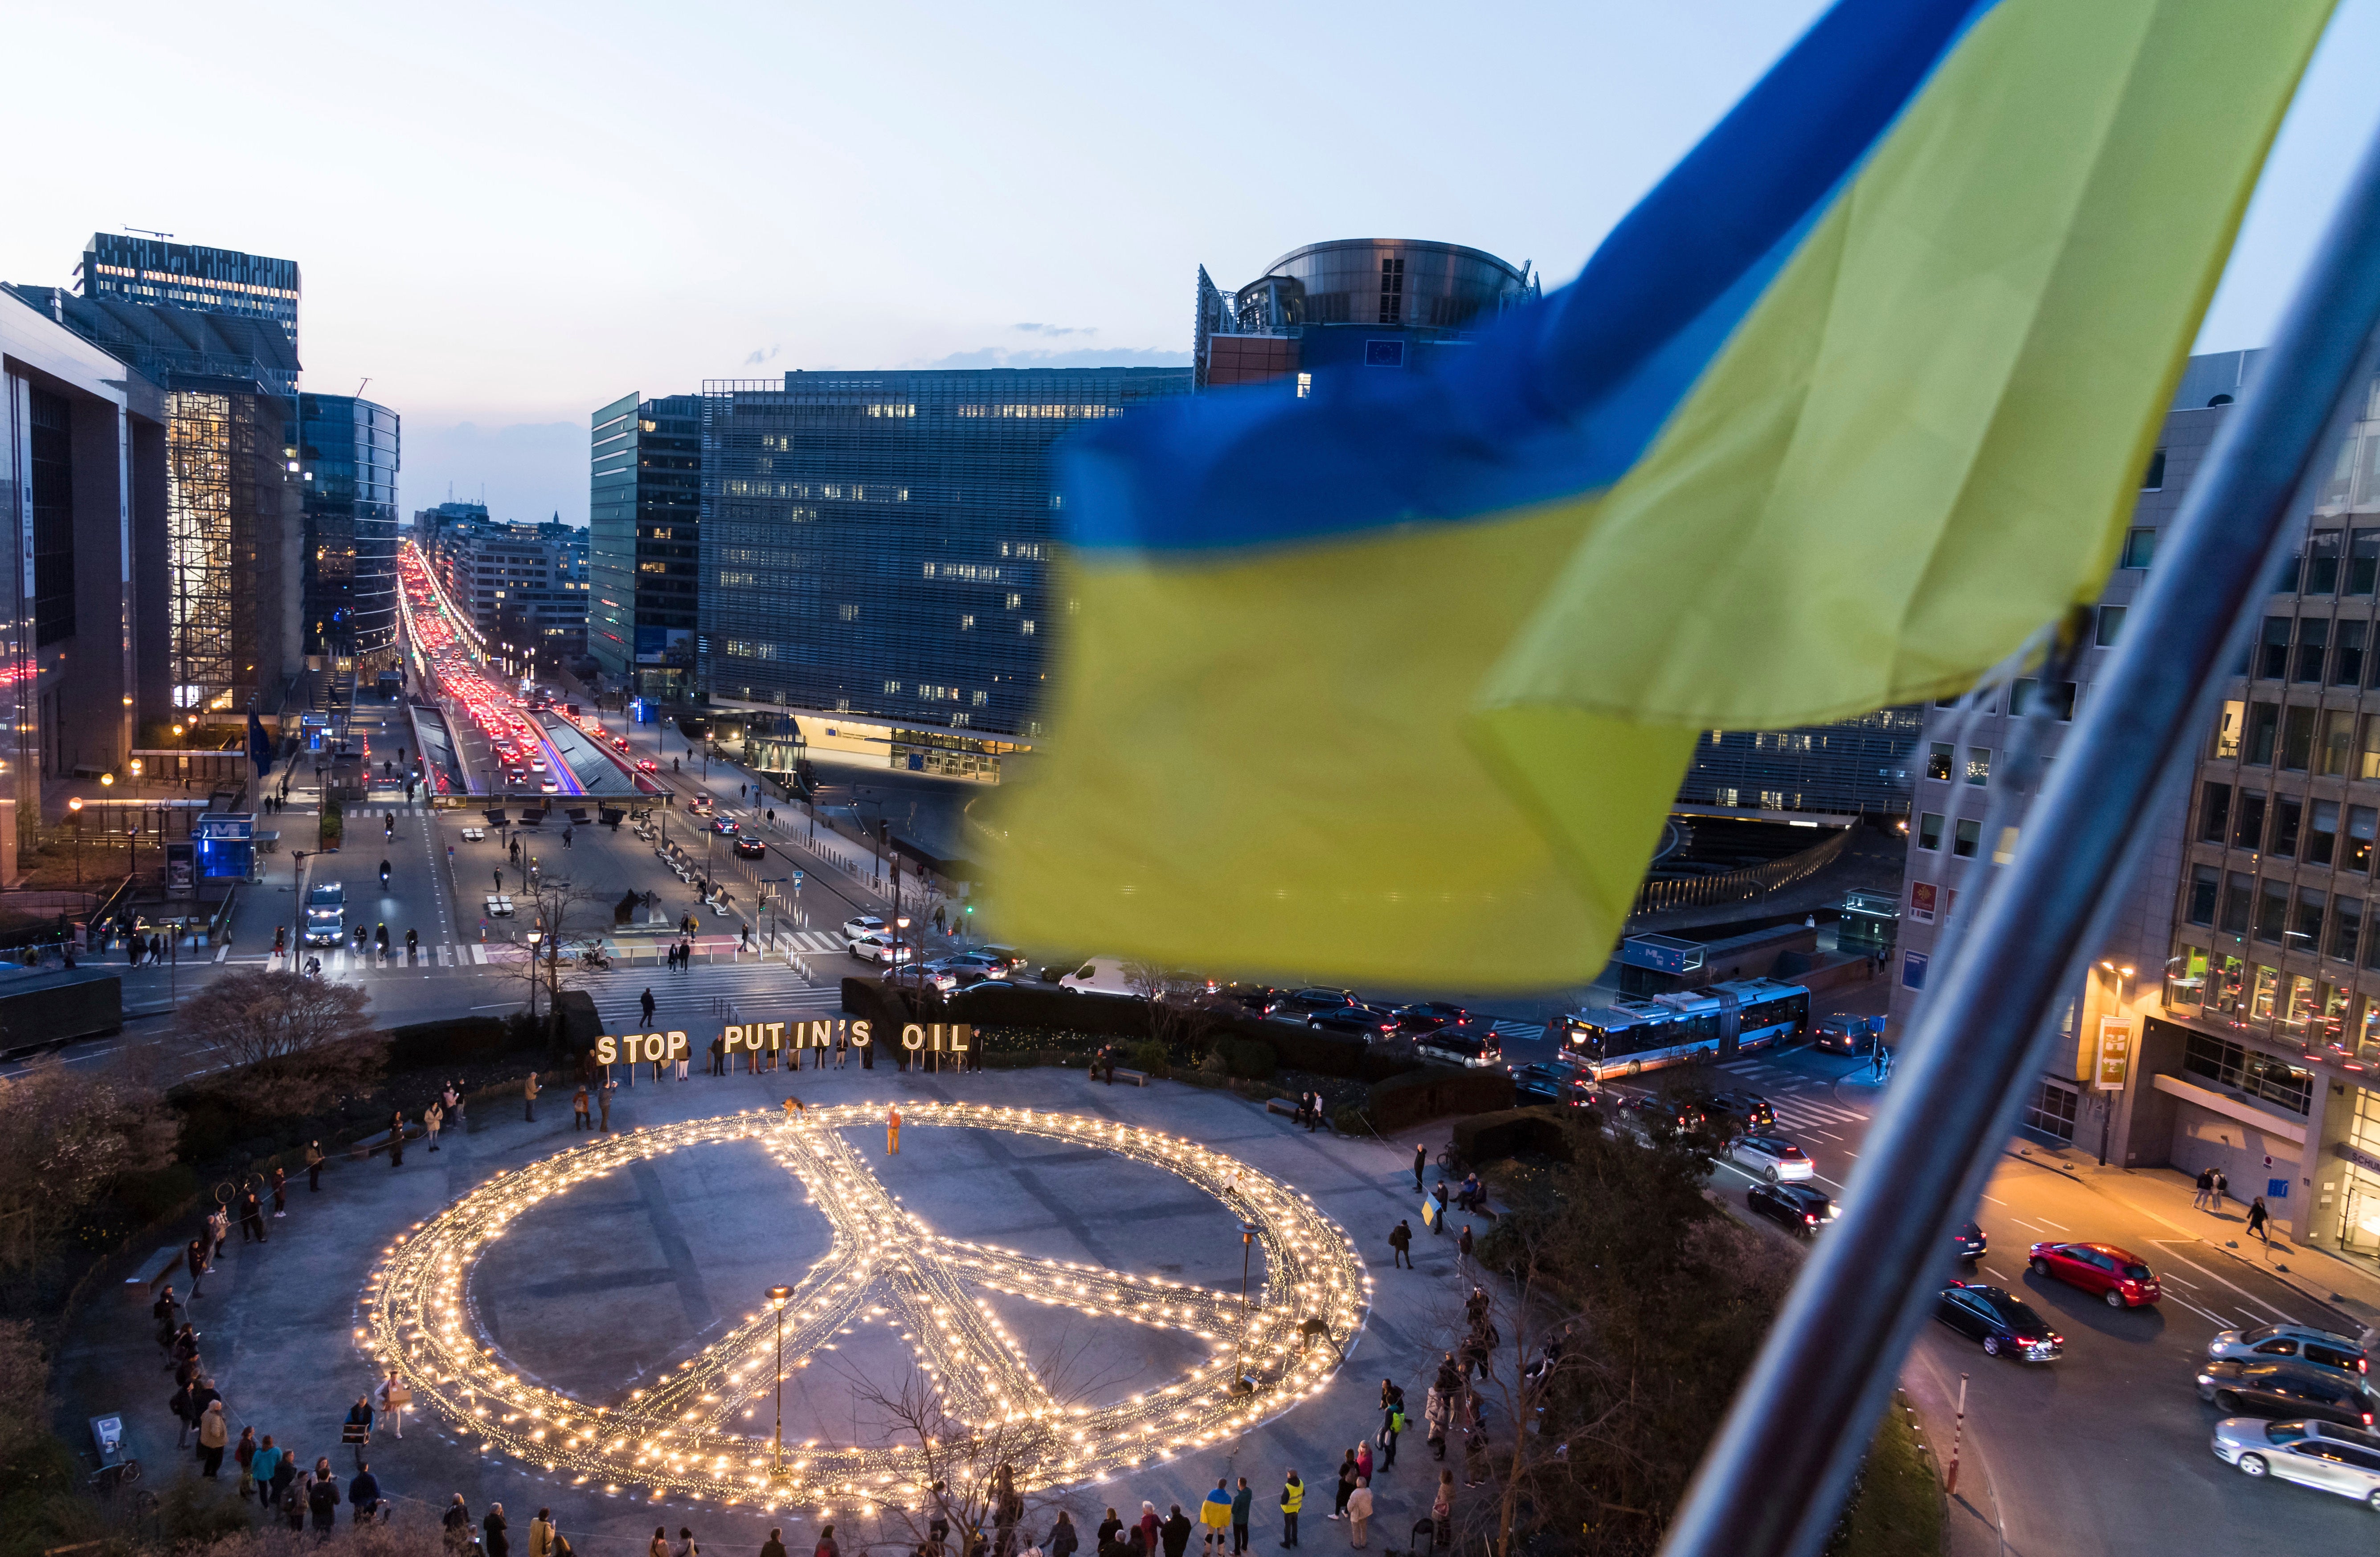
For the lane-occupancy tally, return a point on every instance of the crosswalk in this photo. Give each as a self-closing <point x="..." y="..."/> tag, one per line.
<point x="648" y="954"/>
<point x="697" y="1000"/>
<point x="1798" y="1104"/>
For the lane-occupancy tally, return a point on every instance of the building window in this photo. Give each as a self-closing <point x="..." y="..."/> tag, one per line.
<point x="1304" y="386"/>
<point x="2248" y="829"/>
<point x="2213" y="812"/>
<point x="2029" y="697"/>
<point x="2313" y="639"/>
<point x="1929" y="826"/>
<point x="1979" y="766"/>
<point x="1968" y="832"/>
<point x="2186" y="985"/>
<point x="2204" y="880"/>
<point x="2361" y="821"/>
<point x="2227" y="730"/>
<point x="2345" y="928"/>
<point x="1393" y="289"/>
<point x="2265" y="998"/>
<point x="1937" y="761"/>
<point x="2347" y="665"/>
<point x="2297" y="739"/>
<point x="2289" y="815"/>
<point x="2322" y="839"/>
<point x="2273" y="648"/>
<point x="2229" y="986"/>
<point x="2363" y="561"/>
<point x="2264" y="725"/>
<point x="2272" y="912"/>
<point x="2305" y="935"/>
<point x="2111" y="622"/>
<point x="2238" y="1069"/>
<point x="2140" y="546"/>
<point x="2050" y="1110"/>
<point x="2322" y="563"/>
<point x="2238" y="896"/>
<point x="2152" y="479"/>
<point x="2336" y="750"/>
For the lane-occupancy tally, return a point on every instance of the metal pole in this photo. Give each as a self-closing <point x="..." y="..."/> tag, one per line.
<point x="1957" y="1432"/>
<point x="1775" y="1475"/>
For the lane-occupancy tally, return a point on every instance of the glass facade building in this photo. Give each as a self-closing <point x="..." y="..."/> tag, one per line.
<point x="187" y="275"/>
<point x="346" y="453"/>
<point x="1854" y="767"/>
<point x="879" y="544"/>
<point x="644" y="508"/>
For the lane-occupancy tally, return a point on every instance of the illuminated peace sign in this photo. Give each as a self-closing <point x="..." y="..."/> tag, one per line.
<point x="676" y="1435"/>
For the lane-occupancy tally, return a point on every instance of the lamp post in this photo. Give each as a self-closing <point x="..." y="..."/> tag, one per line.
<point x="74" y="803"/>
<point x="899" y="928"/>
<point x="777" y="1296"/>
<point x="1239" y="1343"/>
<point x="2107" y="1103"/>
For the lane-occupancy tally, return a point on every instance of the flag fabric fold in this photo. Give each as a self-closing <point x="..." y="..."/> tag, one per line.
<point x="1398" y="683"/>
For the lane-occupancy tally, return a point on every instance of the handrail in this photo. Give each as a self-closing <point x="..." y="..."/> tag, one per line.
<point x="1739" y="886"/>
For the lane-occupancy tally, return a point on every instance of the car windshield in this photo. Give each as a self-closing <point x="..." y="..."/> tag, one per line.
<point x="2286" y="1433"/>
<point x="2135" y="1272"/>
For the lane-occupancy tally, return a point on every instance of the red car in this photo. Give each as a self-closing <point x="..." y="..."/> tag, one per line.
<point x="2113" y="1273"/>
<point x="647" y="765"/>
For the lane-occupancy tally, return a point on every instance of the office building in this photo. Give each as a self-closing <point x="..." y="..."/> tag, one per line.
<point x="1854" y="767"/>
<point x="346" y="455"/>
<point x="151" y="270"/>
<point x="525" y="586"/>
<point x="644" y="510"/>
<point x="876" y="553"/>
<point x="224" y="570"/>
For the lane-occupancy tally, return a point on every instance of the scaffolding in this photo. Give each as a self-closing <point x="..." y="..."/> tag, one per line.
<point x="204" y="464"/>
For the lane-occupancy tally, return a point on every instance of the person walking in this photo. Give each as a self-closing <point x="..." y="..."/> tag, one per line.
<point x="1214" y="1517"/>
<point x="493" y="1532"/>
<point x="529" y="1091"/>
<point x="396" y="1143"/>
<point x="314" y="1167"/>
<point x="243" y="1455"/>
<point x="363" y="1494"/>
<point x="1359" y="1514"/>
<point x="578" y="1111"/>
<point x="1401" y="1244"/>
<point x="433" y="1118"/>
<point x="892" y="1149"/>
<point x="219" y="1228"/>
<point x="2258" y="1221"/>
<point x="394" y="1396"/>
<point x="2203" y="1199"/>
<point x="1293" y="1498"/>
<point x="214" y="1437"/>
<point x="458" y="1521"/>
<point x="1346" y="1484"/>
<point x="355" y="1431"/>
<point x="1462" y="1249"/>
<point x="540" y="1534"/>
<point x="1241" y="1497"/>
<point x="1441" y="1511"/>
<point x="1437" y="1214"/>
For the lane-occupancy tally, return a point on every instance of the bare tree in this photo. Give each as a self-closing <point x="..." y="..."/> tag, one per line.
<point x="1175" y="1010"/>
<point x="565" y="924"/>
<point x="65" y="1138"/>
<point x="308" y="1036"/>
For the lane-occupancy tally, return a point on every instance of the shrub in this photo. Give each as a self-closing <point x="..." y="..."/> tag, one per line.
<point x="1246" y="1058"/>
<point x="1434" y="1092"/>
<point x="1148" y="1056"/>
<point x="456" y="1041"/>
<point x="1513" y="1132"/>
<point x="158" y="1192"/>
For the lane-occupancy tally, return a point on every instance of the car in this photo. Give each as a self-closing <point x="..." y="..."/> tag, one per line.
<point x="1554" y="1084"/>
<point x="647" y="765"/>
<point x="1353" y="1021"/>
<point x="2319" y="1348"/>
<point x="2122" y="1278"/>
<point x="940" y="976"/>
<point x="977" y="966"/>
<point x="882" y="949"/>
<point x="1772" y="1157"/>
<point x="751" y="848"/>
<point x="865" y="924"/>
<point x="1256" y="999"/>
<point x="1652" y="1110"/>
<point x="725" y="826"/>
<point x="1009" y="958"/>
<point x="2327" y="1455"/>
<point x="1430" y="1016"/>
<point x="2006" y="1324"/>
<point x="1968" y="1243"/>
<point x="1297" y="1003"/>
<point x="549" y="787"/>
<point x="2292" y="1390"/>
<point x="1478" y="1050"/>
<point x="326" y="913"/>
<point x="1838" y="1035"/>
<point x="1798" y="1207"/>
<point x="1750" y="1111"/>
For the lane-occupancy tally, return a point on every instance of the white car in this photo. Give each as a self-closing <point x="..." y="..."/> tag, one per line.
<point x="2319" y="1454"/>
<point x="881" y="949"/>
<point x="864" y="926"/>
<point x="1772" y="1158"/>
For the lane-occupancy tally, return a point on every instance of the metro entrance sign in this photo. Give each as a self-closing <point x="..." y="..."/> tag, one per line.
<point x="755" y="1038"/>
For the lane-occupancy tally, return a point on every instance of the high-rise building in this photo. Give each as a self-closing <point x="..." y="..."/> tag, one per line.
<point x="192" y="276"/>
<point x="644" y="512"/>
<point x="525" y="586"/>
<point x="1854" y="767"/>
<point x="346" y="453"/>
<point x="877" y="552"/>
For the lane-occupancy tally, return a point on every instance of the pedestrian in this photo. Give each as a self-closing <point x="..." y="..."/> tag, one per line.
<point x="2221" y="1183"/>
<point x="540" y="1529"/>
<point x="323" y="1497"/>
<point x="1293" y="1498"/>
<point x="1359" y="1514"/>
<point x="826" y="1547"/>
<point x="684" y="1059"/>
<point x="219" y="1224"/>
<point x="529" y="1096"/>
<point x="285" y="1472"/>
<point x="363" y="1493"/>
<point x="433" y="1118"/>
<point x="1462" y="1246"/>
<point x="264" y="1467"/>
<point x="892" y="1149"/>
<point x="1063" y="1540"/>
<point x="1441" y="1511"/>
<point x="280" y="1191"/>
<point x="2257" y="1220"/>
<point x="195" y="1257"/>
<point x="458" y="1521"/>
<point x="1363" y="1464"/>
<point x="604" y="1103"/>
<point x="1149" y="1525"/>
<point x="1401" y="1244"/>
<point x="775" y="1545"/>
<point x="841" y="1048"/>
<point x="355" y="1432"/>
<point x="1421" y="1160"/>
<point x="243" y="1455"/>
<point x="1435" y="1407"/>
<point x="684" y="1546"/>
<point x="1393" y="1422"/>
<point x="396" y="1394"/>
<point x="314" y="1166"/>
<point x="168" y="1315"/>
<point x="1241" y="1498"/>
<point x="2203" y="1199"/>
<point x="578" y="1111"/>
<point x="396" y="1143"/>
<point x="492" y="1532"/>
<point x="179" y="1404"/>
<point x="252" y="1218"/>
<point x="1175" y="1531"/>
<point x="1215" y="1517"/>
<point x="1346" y="1485"/>
<point x="645" y="1002"/>
<point x="1438" y="1217"/>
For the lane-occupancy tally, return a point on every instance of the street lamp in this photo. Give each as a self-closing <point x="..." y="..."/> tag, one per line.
<point x="74" y="803"/>
<point x="2107" y="1103"/>
<point x="900" y="924"/>
<point x="777" y="1296"/>
<point x="1247" y="1248"/>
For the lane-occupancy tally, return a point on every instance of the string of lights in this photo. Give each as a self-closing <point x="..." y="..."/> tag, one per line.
<point x="883" y="1265"/>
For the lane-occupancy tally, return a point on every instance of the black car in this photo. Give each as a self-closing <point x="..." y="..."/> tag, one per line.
<point x="1433" y="1016"/>
<point x="2240" y="1388"/>
<point x="1256" y="999"/>
<point x="1353" y="1021"/>
<point x="1553" y="1084"/>
<point x="751" y="848"/>
<point x="1475" y="1049"/>
<point x="1968" y="1242"/>
<point x="1749" y="1110"/>
<point x="1797" y="1205"/>
<point x="1297" y="1003"/>
<point x="1654" y="1111"/>
<point x="2006" y="1325"/>
<point x="1838" y="1035"/>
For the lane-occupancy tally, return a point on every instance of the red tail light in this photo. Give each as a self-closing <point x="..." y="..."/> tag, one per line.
<point x="1808" y="1218"/>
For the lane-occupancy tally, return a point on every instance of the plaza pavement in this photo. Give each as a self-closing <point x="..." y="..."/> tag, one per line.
<point x="603" y="1285"/>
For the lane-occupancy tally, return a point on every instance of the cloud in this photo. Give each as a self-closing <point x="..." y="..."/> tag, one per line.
<point x="1057" y="329"/>
<point x="758" y="357"/>
<point x="1081" y="357"/>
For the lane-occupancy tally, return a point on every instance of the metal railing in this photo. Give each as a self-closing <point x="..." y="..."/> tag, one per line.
<point x="1739" y="886"/>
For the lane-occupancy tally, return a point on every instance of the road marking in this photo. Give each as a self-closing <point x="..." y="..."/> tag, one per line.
<point x="1996" y="1200"/>
<point x="2061" y="1229"/>
<point x="1828" y="1133"/>
<point x="2195" y="1308"/>
<point x="1994" y="1276"/>
<point x="2184" y="1280"/>
<point x="2235" y="1286"/>
<point x="2023" y="1222"/>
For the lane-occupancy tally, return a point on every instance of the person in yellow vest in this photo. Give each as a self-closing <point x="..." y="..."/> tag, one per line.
<point x="893" y="1130"/>
<point x="1293" y="1498"/>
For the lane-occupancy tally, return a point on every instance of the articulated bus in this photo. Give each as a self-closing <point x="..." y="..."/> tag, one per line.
<point x="1638" y="1035"/>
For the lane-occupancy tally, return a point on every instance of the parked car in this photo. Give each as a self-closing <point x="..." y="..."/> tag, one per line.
<point x="2121" y="1277"/>
<point x="1478" y="1049"/>
<point x="1297" y="1003"/>
<point x="1554" y="1084"/>
<point x="1750" y="1111"/>
<point x="1968" y="1243"/>
<point x="751" y="848"/>
<point x="2006" y="1324"/>
<point x="1353" y="1021"/>
<point x="1433" y="1016"/>
<point x="2327" y="1455"/>
<point x="863" y="924"/>
<point x="1256" y="999"/>
<point x="2290" y="1390"/>
<point x="1801" y="1207"/>
<point x="2320" y="1348"/>
<point x="1772" y="1157"/>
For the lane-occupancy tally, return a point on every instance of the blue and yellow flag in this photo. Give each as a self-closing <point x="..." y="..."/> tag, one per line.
<point x="1398" y="682"/>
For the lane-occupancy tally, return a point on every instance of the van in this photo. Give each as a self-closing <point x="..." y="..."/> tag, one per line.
<point x="326" y="913"/>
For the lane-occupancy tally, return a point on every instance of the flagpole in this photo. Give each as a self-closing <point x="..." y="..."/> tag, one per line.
<point x="1775" y="1478"/>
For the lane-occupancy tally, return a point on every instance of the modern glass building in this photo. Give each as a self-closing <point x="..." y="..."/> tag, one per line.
<point x="1855" y="767"/>
<point x="189" y="275"/>
<point x="644" y="505"/>
<point x="877" y="547"/>
<point x="346" y="451"/>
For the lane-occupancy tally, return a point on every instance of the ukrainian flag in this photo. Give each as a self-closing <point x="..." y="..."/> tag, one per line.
<point x="1398" y="682"/>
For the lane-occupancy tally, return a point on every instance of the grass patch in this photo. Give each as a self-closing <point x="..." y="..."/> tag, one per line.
<point x="1899" y="1507"/>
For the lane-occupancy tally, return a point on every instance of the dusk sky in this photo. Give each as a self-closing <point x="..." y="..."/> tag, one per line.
<point x="509" y="215"/>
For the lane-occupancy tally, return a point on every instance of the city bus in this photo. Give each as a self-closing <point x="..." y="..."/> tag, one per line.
<point x="1629" y="1036"/>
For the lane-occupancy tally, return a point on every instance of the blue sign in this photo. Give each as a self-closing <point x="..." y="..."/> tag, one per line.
<point x="2276" y="1190"/>
<point x="226" y="844"/>
<point x="1912" y="970"/>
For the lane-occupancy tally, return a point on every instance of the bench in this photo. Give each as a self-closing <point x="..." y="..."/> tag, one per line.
<point x="1281" y="1105"/>
<point x="1129" y="1078"/>
<point x="150" y="1273"/>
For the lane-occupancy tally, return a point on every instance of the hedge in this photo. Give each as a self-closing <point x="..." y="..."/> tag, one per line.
<point x="452" y="1040"/>
<point x="1513" y="1132"/>
<point x="1434" y="1092"/>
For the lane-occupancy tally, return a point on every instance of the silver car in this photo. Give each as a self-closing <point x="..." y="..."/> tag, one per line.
<point x="2318" y="1454"/>
<point x="2301" y="1343"/>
